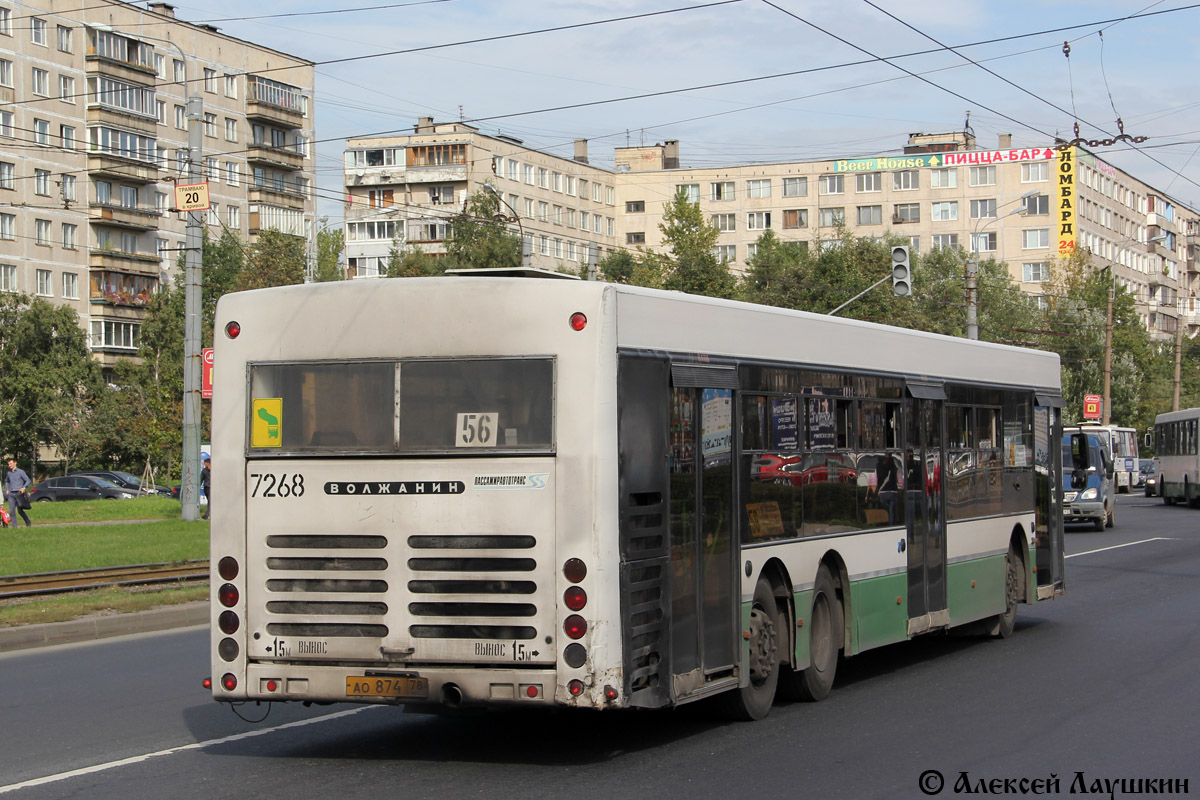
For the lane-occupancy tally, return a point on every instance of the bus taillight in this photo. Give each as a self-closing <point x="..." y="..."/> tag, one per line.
<point x="575" y="626"/>
<point x="227" y="568"/>
<point x="575" y="598"/>
<point x="228" y="595"/>
<point x="228" y="622"/>
<point x="575" y="687"/>
<point x="233" y="330"/>
<point x="574" y="570"/>
<point x="578" y="321"/>
<point x="229" y="682"/>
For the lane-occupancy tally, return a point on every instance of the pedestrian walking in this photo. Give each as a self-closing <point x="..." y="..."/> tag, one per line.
<point x="16" y="492"/>
<point x="206" y="485"/>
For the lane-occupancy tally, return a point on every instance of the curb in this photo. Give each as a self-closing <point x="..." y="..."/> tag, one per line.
<point x="87" y="629"/>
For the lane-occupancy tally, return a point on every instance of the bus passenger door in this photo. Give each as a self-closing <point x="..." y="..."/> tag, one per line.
<point x="703" y="599"/>
<point x="926" y="518"/>
<point x="1047" y="466"/>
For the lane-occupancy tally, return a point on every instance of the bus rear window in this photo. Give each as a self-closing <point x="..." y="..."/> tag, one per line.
<point x="347" y="407"/>
<point x="471" y="404"/>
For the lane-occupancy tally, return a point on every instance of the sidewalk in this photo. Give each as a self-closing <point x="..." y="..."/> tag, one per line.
<point x="98" y="626"/>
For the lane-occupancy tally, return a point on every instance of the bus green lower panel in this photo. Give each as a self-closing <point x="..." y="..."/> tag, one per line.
<point x="975" y="589"/>
<point x="880" y="610"/>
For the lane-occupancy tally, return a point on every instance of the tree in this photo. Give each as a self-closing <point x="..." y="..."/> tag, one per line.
<point x="275" y="259"/>
<point x="616" y="267"/>
<point x="692" y="265"/>
<point x="47" y="375"/>
<point x="411" y="262"/>
<point x="481" y="238"/>
<point x="331" y="242"/>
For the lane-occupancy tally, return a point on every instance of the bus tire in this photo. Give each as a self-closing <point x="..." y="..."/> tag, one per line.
<point x="825" y="631"/>
<point x="1001" y="626"/>
<point x="753" y="701"/>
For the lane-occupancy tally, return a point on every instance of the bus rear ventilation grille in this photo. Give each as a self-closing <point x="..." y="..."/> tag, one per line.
<point x="472" y="564"/>
<point x="472" y="587"/>
<point x="340" y="630"/>
<point x="326" y="585"/>
<point x="327" y="542"/>
<point x="327" y="607"/>
<point x="332" y="564"/>
<point x="496" y="542"/>
<point x="472" y="632"/>
<point x="472" y="609"/>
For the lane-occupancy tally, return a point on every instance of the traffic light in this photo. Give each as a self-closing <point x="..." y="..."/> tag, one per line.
<point x="901" y="272"/>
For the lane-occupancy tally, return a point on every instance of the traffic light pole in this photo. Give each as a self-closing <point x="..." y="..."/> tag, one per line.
<point x="973" y="298"/>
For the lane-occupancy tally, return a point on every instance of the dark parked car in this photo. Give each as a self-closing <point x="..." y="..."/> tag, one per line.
<point x="126" y="480"/>
<point x="77" y="487"/>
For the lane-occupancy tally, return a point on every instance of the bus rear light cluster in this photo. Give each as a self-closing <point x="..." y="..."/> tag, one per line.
<point x="575" y="598"/>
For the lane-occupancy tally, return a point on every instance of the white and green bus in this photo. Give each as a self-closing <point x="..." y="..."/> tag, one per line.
<point x="501" y="490"/>
<point x="1177" y="456"/>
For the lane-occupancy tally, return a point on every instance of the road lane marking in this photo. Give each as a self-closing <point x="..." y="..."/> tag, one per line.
<point x="1127" y="544"/>
<point x="75" y="773"/>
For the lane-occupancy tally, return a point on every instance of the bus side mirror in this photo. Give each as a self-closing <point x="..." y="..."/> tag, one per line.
<point x="1149" y="441"/>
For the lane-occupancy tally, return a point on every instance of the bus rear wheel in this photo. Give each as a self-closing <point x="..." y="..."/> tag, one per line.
<point x="825" y="631"/>
<point x="1001" y="626"/>
<point x="753" y="701"/>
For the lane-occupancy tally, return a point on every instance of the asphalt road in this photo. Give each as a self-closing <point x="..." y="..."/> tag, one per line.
<point x="1101" y="682"/>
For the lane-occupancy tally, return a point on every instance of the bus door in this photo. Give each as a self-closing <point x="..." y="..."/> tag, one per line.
<point x="926" y="518"/>
<point x="704" y="600"/>
<point x="1047" y="465"/>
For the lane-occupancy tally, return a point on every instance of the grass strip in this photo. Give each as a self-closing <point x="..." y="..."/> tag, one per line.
<point x="62" y="608"/>
<point x="44" y="548"/>
<point x="104" y="510"/>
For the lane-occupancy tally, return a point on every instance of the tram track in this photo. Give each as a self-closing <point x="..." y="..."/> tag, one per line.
<point x="52" y="583"/>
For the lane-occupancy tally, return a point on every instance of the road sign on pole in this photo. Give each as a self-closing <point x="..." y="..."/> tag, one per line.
<point x="1091" y="406"/>
<point x="206" y="373"/>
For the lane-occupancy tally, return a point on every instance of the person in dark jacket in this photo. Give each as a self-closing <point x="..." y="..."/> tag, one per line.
<point x="16" y="482"/>
<point x="206" y="485"/>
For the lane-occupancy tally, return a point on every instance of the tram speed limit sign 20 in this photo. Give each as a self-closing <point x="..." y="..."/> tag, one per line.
<point x="191" y="197"/>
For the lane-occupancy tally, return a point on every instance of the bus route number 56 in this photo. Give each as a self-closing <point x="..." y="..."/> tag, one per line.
<point x="477" y="429"/>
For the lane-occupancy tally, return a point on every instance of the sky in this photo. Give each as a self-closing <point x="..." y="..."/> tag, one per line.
<point x="803" y="79"/>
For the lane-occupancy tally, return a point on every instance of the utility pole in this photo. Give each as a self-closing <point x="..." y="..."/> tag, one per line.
<point x="1178" y="356"/>
<point x="189" y="492"/>
<point x="1108" y="337"/>
<point x="973" y="297"/>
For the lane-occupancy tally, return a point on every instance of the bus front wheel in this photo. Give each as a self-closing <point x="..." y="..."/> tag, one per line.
<point x="825" y="626"/>
<point x="754" y="700"/>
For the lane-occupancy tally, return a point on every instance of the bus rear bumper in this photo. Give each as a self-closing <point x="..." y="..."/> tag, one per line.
<point x="438" y="686"/>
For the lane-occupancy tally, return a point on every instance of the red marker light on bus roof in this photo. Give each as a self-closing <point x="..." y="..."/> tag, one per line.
<point x="578" y="321"/>
<point x="233" y="329"/>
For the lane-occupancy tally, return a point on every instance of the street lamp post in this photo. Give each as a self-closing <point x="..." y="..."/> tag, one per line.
<point x="526" y="244"/>
<point x="1108" y="337"/>
<point x="972" y="280"/>
<point x="192" y="263"/>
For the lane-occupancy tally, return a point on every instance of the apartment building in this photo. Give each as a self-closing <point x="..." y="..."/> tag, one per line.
<point x="1023" y="206"/>
<point x="93" y="137"/>
<point x="406" y="190"/>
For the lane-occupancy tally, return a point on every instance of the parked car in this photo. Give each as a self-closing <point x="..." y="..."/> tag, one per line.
<point x="126" y="480"/>
<point x="77" y="487"/>
<point x="1150" y="479"/>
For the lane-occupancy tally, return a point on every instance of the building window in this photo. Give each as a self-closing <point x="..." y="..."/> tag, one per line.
<point x="870" y="215"/>
<point x="558" y="248"/>
<point x="66" y="88"/>
<point x="122" y="335"/>
<point x="231" y="86"/>
<point x="233" y="216"/>
<point x="8" y="226"/>
<point x="210" y="80"/>
<point x="8" y="175"/>
<point x="635" y="207"/>
<point x="527" y="172"/>
<point x="210" y="125"/>
<point x="724" y="222"/>
<point x="907" y="212"/>
<point x="544" y="244"/>
<point x="42" y="231"/>
<point x="68" y="188"/>
<point x="41" y="131"/>
<point x="795" y="187"/>
<point x="41" y="82"/>
<point x="914" y="244"/>
<point x="180" y="118"/>
<point x="230" y="129"/>
<point x="66" y="135"/>
<point x="722" y="190"/>
<point x="381" y="198"/>
<point x="946" y="178"/>
<point x="556" y="181"/>
<point x="725" y="253"/>
<point x="436" y="155"/>
<point x="1035" y="172"/>
<point x="982" y="176"/>
<point x="529" y="206"/>
<point x="41" y="182"/>
<point x="37" y="31"/>
<point x="69" y="235"/>
<point x="231" y="173"/>
<point x="70" y="286"/>
<point x="1038" y="204"/>
<point x="795" y="218"/>
<point x="832" y="184"/>
<point x="558" y="215"/>
<point x="1034" y="272"/>
<point x="441" y="195"/>
<point x="944" y="211"/>
<point x="983" y="242"/>
<point x="44" y="278"/>
<point x="983" y="209"/>
<point x="637" y="237"/>
<point x="868" y="182"/>
<point x="8" y="278"/>
<point x="543" y="212"/>
<point x="5" y="21"/>
<point x="831" y="217"/>
<point x="64" y="39"/>
<point x="906" y="179"/>
<point x="1032" y="239"/>
<point x="758" y="188"/>
<point x="691" y="192"/>
<point x="569" y="188"/>
<point x="6" y="72"/>
<point x="6" y="124"/>
<point x="543" y="179"/>
<point x="758" y="220"/>
<point x="514" y="169"/>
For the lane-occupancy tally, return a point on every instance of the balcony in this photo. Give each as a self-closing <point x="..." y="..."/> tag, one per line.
<point x="276" y="103"/>
<point x="107" y="115"/>
<point x="288" y="198"/>
<point x="118" y="261"/>
<point x="137" y="219"/>
<point x="277" y="157"/>
<point x="129" y="170"/>
<point x="127" y="71"/>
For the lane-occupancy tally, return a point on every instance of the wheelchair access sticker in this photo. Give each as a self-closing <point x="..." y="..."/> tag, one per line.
<point x="266" y="414"/>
